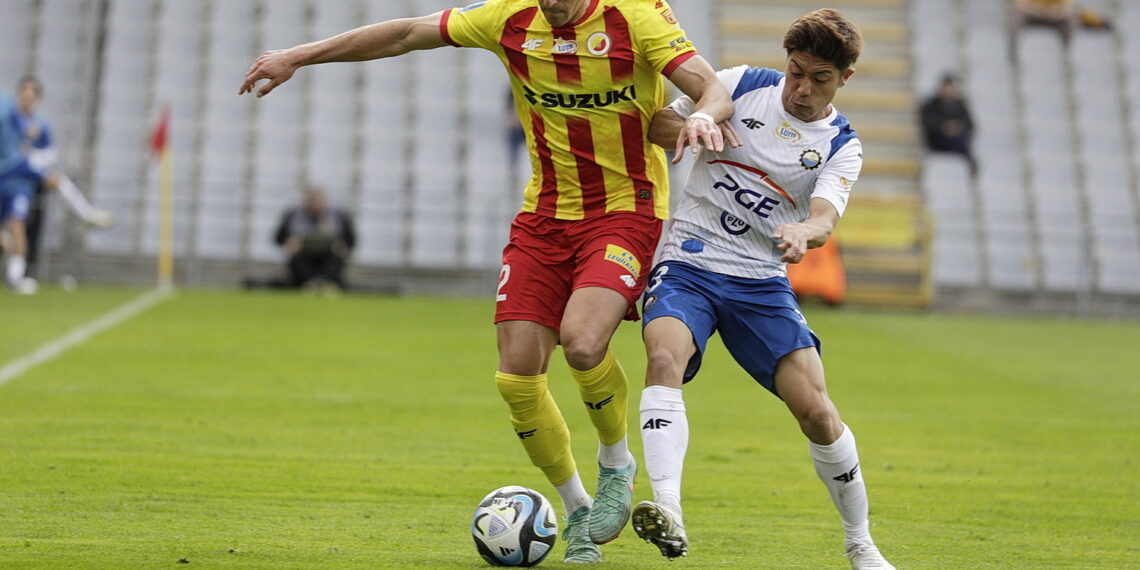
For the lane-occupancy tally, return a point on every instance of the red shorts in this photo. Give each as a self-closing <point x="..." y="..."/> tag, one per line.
<point x="547" y="259"/>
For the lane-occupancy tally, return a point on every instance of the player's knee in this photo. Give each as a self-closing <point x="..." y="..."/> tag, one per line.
<point x="584" y="351"/>
<point x="663" y="366"/>
<point x="520" y="389"/>
<point x="820" y="421"/>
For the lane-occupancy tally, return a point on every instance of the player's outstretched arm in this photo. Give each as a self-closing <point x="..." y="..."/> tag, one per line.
<point x="376" y="41"/>
<point x="796" y="239"/>
<point x="713" y="105"/>
<point x="668" y="128"/>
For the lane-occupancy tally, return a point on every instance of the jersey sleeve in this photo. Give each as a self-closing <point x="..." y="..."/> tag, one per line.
<point x="659" y="37"/>
<point x="473" y="25"/>
<point x="839" y="175"/>
<point x="730" y="77"/>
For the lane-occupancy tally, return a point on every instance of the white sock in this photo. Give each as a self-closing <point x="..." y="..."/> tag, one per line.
<point x="838" y="467"/>
<point x="574" y="495"/>
<point x="17" y="266"/>
<point x="74" y="198"/>
<point x="665" y="436"/>
<point x="615" y="456"/>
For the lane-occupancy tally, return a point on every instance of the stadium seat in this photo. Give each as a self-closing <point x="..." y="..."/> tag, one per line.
<point x="946" y="183"/>
<point x="935" y="49"/>
<point x="1118" y="260"/>
<point x="957" y="257"/>
<point x="1108" y="184"/>
<point x="16" y="45"/>
<point x="986" y="15"/>
<point x="1010" y="253"/>
<point x="948" y="188"/>
<point x="1066" y="263"/>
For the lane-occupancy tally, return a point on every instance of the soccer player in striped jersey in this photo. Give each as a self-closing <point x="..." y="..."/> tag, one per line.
<point x="745" y="213"/>
<point x="586" y="78"/>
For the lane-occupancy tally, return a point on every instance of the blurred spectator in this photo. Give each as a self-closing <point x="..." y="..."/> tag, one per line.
<point x="947" y="125"/>
<point x="318" y="240"/>
<point x="1057" y="14"/>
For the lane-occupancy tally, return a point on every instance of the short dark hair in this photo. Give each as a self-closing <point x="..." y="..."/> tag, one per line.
<point x="826" y="34"/>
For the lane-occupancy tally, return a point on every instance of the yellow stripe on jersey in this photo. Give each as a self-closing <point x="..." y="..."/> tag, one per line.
<point x="585" y="93"/>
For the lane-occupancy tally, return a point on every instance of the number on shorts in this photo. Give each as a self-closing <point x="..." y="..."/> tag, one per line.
<point x="504" y="275"/>
<point x="657" y="276"/>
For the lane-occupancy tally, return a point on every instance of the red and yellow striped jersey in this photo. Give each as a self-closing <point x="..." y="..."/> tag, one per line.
<point x="585" y="93"/>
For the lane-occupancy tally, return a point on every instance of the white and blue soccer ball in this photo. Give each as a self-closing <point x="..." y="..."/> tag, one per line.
<point x="514" y="526"/>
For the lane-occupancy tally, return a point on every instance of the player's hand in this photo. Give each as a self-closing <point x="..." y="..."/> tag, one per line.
<point x="793" y="240"/>
<point x="277" y="66"/>
<point x="731" y="137"/>
<point x="698" y="131"/>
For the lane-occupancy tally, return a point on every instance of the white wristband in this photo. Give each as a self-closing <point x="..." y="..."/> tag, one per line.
<point x="702" y="116"/>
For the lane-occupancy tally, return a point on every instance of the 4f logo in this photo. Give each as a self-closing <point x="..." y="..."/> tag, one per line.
<point x="848" y="476"/>
<point x="526" y="434"/>
<point x="656" y="423"/>
<point x="598" y="405"/>
<point x="752" y="124"/>
<point x="532" y="44"/>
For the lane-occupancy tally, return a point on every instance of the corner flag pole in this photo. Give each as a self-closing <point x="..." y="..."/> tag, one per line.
<point x="160" y="146"/>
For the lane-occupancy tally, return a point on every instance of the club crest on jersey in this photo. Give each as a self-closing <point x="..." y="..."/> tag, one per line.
<point x="668" y="15"/>
<point x="599" y="43"/>
<point x="564" y="47"/>
<point x="810" y="159"/>
<point x="624" y="258"/>
<point x="787" y="132"/>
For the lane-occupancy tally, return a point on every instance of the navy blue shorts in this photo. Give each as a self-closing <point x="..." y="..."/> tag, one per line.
<point x="759" y="320"/>
<point x="17" y="186"/>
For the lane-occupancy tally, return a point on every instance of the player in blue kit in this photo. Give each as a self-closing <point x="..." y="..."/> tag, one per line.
<point x="745" y="213"/>
<point x="28" y="165"/>
<point x="15" y="201"/>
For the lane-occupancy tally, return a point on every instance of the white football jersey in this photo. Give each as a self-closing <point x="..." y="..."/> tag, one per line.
<point x="734" y="199"/>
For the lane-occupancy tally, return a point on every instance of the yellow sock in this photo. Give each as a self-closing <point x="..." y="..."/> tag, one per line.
<point x="605" y="391"/>
<point x="539" y="424"/>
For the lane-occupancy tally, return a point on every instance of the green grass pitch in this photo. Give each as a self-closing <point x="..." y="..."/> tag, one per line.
<point x="224" y="429"/>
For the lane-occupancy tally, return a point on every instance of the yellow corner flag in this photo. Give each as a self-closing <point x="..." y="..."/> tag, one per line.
<point x="159" y="145"/>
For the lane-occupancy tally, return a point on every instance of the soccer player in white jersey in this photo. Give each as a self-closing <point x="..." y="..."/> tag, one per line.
<point x="745" y="213"/>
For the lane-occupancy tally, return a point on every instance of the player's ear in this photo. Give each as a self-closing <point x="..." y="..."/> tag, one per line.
<point x="846" y="75"/>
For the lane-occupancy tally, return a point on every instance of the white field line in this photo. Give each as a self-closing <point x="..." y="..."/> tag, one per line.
<point x="81" y="334"/>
